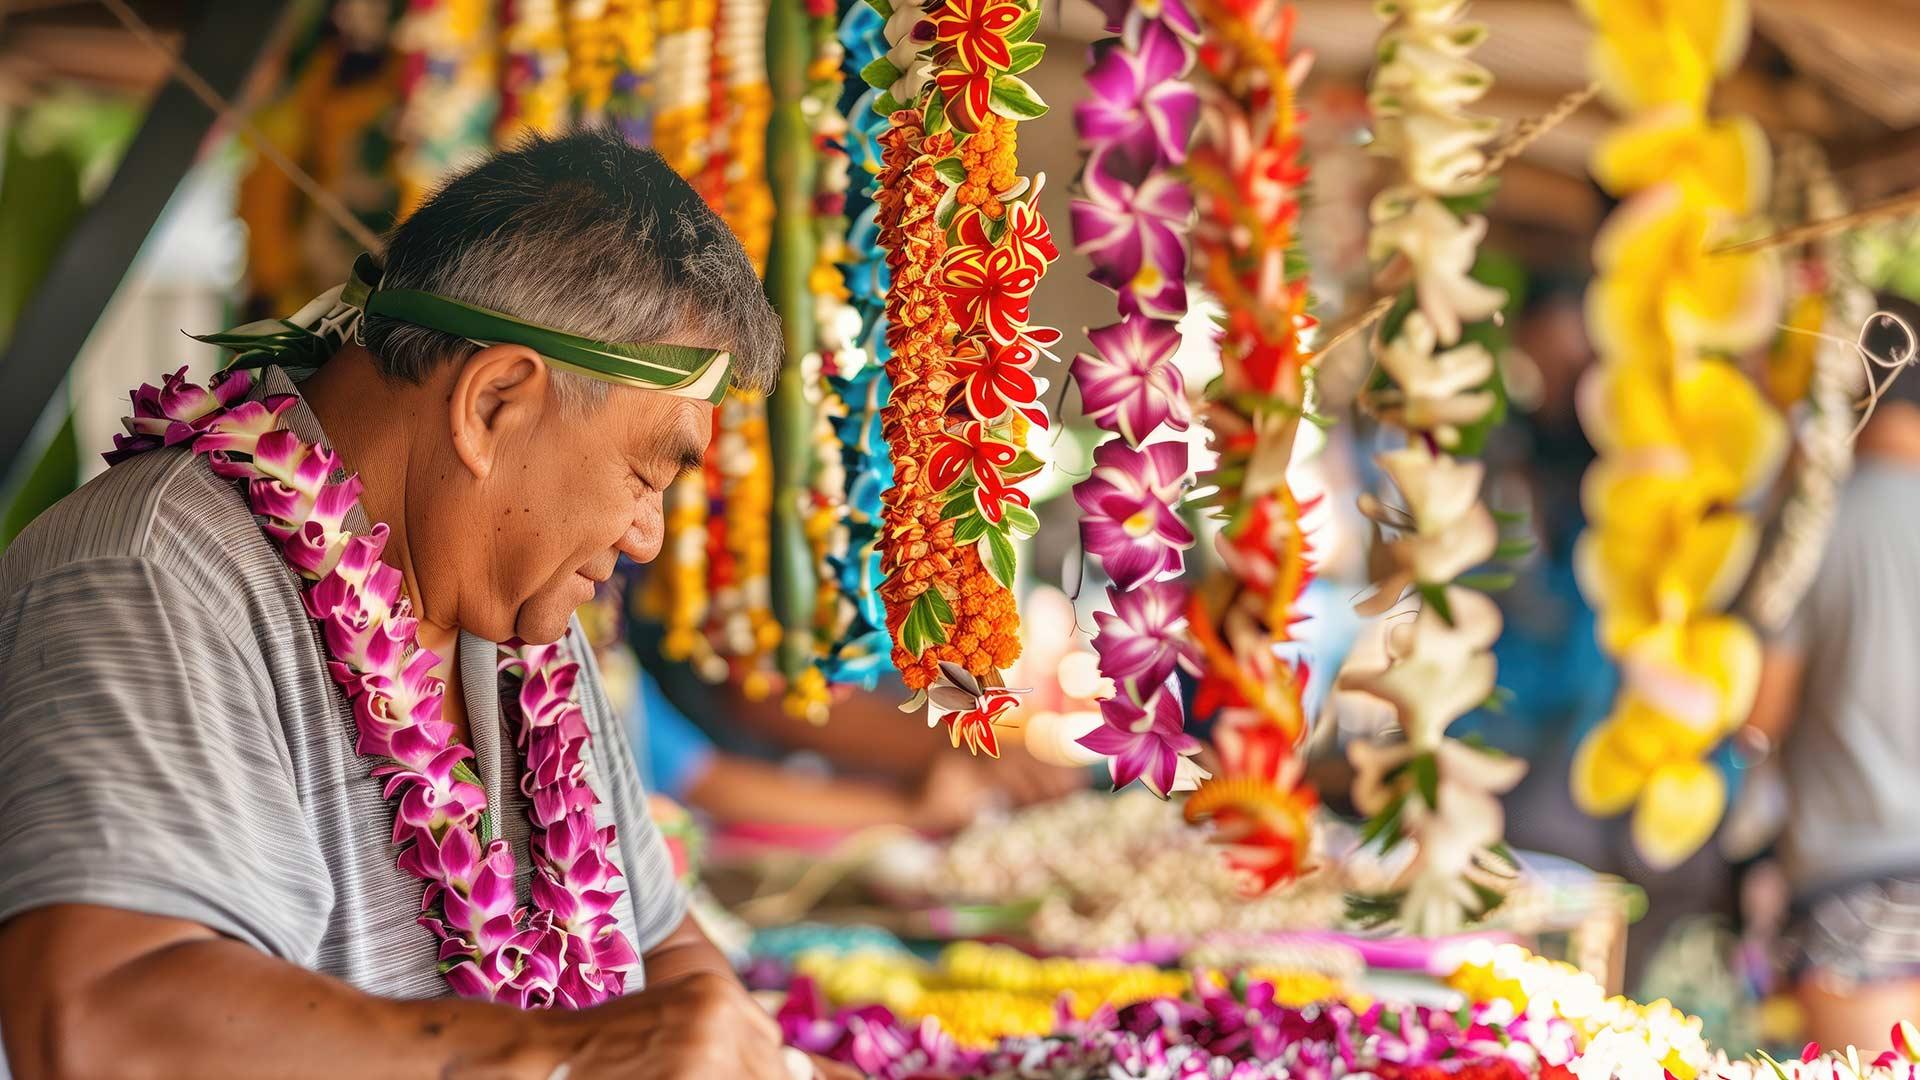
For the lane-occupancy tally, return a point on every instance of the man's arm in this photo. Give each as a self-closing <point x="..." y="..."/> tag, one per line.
<point x="1776" y="701"/>
<point x="93" y="991"/>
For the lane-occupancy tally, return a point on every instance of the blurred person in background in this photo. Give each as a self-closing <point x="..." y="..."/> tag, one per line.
<point x="1838" y="694"/>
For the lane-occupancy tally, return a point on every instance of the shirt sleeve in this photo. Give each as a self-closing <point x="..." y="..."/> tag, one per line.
<point x="142" y="763"/>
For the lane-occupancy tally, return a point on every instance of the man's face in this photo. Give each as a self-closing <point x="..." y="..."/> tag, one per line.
<point x="569" y="490"/>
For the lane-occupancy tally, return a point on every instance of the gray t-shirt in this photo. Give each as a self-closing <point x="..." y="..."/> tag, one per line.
<point x="171" y="743"/>
<point x="1852" y="757"/>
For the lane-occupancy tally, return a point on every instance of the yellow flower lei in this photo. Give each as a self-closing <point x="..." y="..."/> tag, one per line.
<point x="1684" y="438"/>
<point x="534" y="78"/>
<point x="444" y="118"/>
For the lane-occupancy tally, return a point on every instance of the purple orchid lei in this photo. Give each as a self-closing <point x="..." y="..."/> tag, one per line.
<point x="1131" y="222"/>
<point x="1223" y="1033"/>
<point x="569" y="951"/>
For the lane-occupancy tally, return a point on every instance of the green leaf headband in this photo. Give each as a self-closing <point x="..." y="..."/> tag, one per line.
<point x="309" y="336"/>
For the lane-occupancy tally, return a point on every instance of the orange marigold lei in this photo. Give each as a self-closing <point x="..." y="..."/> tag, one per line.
<point x="917" y="550"/>
<point x="1247" y="174"/>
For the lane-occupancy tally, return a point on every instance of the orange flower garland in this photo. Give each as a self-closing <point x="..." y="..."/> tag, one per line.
<point x="1247" y="173"/>
<point x="917" y="554"/>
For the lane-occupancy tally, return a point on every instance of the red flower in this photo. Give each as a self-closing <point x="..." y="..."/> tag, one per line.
<point x="1000" y="377"/>
<point x="1029" y="233"/>
<point x="972" y="448"/>
<point x="988" y="283"/>
<point x="974" y="727"/>
<point x="969" y="98"/>
<point x="977" y="31"/>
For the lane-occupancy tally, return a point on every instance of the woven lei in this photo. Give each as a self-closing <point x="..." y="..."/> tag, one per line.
<point x="610" y="56"/>
<point x="1247" y="173"/>
<point x="448" y="92"/>
<point x="1132" y="223"/>
<point x="859" y="649"/>
<point x="569" y="951"/>
<point x="1437" y="383"/>
<point x="1686" y="442"/>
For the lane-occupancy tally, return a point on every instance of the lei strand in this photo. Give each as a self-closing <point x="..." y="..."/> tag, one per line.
<point x="861" y="650"/>
<point x="677" y="591"/>
<point x="609" y="52"/>
<point x="569" y="951"/>
<point x="1131" y="222"/>
<point x="533" y="78"/>
<point x="448" y="92"/>
<point x="1247" y="170"/>
<point x="1438" y="384"/>
<point x="836" y="333"/>
<point x="1685" y="441"/>
<point x="964" y="397"/>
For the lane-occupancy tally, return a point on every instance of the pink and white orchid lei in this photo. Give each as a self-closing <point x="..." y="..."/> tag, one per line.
<point x="569" y="951"/>
<point x="1131" y="222"/>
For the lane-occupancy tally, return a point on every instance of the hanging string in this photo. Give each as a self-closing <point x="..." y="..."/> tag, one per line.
<point x="1527" y="132"/>
<point x="1898" y="207"/>
<point x="227" y="113"/>
<point x="1894" y="363"/>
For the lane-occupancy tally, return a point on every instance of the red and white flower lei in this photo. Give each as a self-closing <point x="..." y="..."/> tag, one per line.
<point x="569" y="951"/>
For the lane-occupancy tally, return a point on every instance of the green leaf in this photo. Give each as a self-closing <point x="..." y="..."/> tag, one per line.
<point x="1488" y="582"/>
<point x="1518" y="547"/>
<point x="1015" y="100"/>
<point x="958" y="505"/>
<point x="1435" y="597"/>
<point x="1025" y="55"/>
<point x="1021" y="520"/>
<point x="926" y="622"/>
<point x="970" y="528"/>
<point x="1023" y="465"/>
<point x="934" y="118"/>
<point x="943" y="214"/>
<point x="951" y="169"/>
<point x="1385" y="822"/>
<point x="1509" y="517"/>
<point x="996" y="552"/>
<point x="1426" y="775"/>
<point x="1464" y="1017"/>
<point x="885" y="104"/>
<point x="881" y="73"/>
<point x="1024" y="29"/>
<point x="884" y="7"/>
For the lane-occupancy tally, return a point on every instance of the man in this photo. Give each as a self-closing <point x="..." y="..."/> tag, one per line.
<point x="1838" y="693"/>
<point x="198" y="875"/>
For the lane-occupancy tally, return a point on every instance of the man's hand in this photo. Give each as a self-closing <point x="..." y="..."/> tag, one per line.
<point x="700" y="1025"/>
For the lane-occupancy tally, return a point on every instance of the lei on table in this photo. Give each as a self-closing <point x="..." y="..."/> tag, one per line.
<point x="534" y="91"/>
<point x="1614" y="1036"/>
<point x="1131" y="222"/>
<point x="448" y="93"/>
<point x="1684" y="439"/>
<point x="859" y="649"/>
<point x="1238" y="1030"/>
<point x="1438" y="384"/>
<point x="610" y="57"/>
<point x="1247" y="171"/>
<point x="569" y="951"/>
<point x="966" y="245"/>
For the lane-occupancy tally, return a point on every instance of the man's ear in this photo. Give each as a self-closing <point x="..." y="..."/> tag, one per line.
<point x="498" y="392"/>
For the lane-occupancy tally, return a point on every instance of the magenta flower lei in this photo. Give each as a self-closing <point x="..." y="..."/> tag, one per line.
<point x="569" y="950"/>
<point x="1131" y="222"/>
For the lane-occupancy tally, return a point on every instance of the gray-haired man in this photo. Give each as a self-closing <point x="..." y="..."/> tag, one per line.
<point x="199" y="870"/>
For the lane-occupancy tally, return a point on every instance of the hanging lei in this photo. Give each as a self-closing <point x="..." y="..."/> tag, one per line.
<point x="677" y="590"/>
<point x="836" y="331"/>
<point x="1685" y="441"/>
<point x="1438" y="384"/>
<point x="533" y="78"/>
<point x="569" y="951"/>
<point x="609" y="58"/>
<point x="1131" y="222"/>
<point x="1247" y="171"/>
<point x="448" y="93"/>
<point x="859" y="649"/>
<point x="967" y="245"/>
